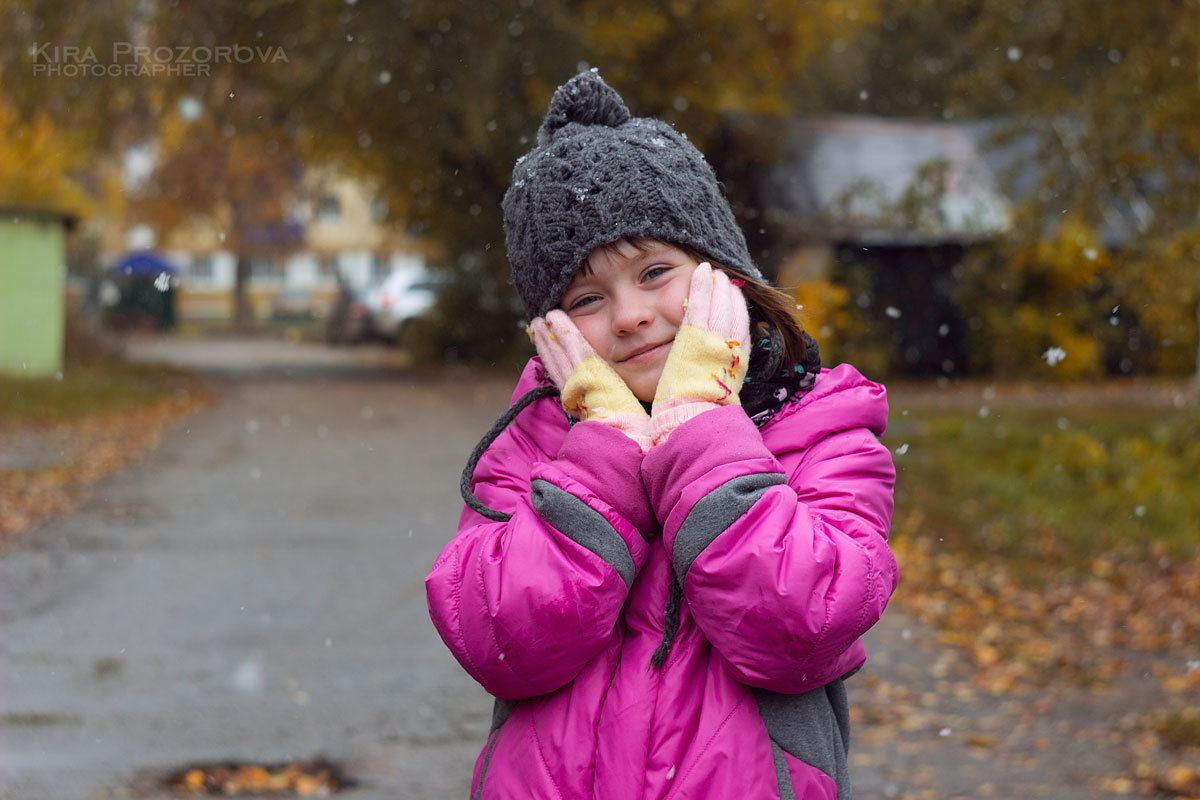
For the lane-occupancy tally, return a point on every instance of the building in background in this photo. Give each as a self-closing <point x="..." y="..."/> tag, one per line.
<point x="905" y="199"/>
<point x="338" y="225"/>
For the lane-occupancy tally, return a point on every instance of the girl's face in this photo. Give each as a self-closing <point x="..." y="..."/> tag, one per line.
<point x="629" y="304"/>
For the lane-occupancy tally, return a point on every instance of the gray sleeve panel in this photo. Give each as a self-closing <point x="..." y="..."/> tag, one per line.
<point x="500" y="712"/>
<point x="581" y="523"/>
<point x="715" y="512"/>
<point x="813" y="727"/>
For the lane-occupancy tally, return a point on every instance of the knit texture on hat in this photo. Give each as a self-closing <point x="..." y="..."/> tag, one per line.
<point x="598" y="175"/>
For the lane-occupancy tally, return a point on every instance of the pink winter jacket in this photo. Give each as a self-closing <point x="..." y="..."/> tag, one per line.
<point x="779" y="537"/>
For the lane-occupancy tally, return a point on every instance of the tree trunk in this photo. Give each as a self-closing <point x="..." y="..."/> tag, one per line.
<point x="243" y="314"/>
<point x="1196" y="377"/>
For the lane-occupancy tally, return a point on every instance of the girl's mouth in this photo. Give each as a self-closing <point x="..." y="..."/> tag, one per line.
<point x="645" y="355"/>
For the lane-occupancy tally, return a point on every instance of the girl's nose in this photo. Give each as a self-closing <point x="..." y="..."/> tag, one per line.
<point x="631" y="313"/>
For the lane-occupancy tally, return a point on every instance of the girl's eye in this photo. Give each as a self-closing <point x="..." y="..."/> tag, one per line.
<point x="583" y="301"/>
<point x="654" y="272"/>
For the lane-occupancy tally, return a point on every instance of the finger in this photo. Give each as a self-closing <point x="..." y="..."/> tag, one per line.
<point x="560" y="362"/>
<point x="721" y="309"/>
<point x="554" y="358"/>
<point x="699" y="296"/>
<point x="540" y="337"/>
<point x="740" y="318"/>
<point x="574" y="343"/>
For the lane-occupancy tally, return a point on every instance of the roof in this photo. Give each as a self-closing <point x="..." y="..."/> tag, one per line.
<point x="143" y="264"/>
<point x="66" y="219"/>
<point x="878" y="180"/>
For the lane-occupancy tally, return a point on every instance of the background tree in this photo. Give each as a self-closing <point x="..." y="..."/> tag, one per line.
<point x="241" y="178"/>
<point x="439" y="100"/>
<point x="103" y="114"/>
<point x="430" y="98"/>
<point x="40" y="164"/>
<point x="1109" y="92"/>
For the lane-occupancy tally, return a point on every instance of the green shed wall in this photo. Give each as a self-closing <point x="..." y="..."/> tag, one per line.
<point x="32" y="279"/>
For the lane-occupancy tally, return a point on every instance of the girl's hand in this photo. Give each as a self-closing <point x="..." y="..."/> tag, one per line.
<point x="708" y="361"/>
<point x="590" y="389"/>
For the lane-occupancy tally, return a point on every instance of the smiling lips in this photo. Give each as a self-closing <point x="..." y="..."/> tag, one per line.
<point x="643" y="353"/>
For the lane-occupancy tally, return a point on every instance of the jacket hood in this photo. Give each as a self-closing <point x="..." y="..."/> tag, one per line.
<point x="534" y="374"/>
<point x="840" y="399"/>
<point x="544" y="421"/>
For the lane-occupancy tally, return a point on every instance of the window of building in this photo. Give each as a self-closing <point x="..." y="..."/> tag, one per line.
<point x="328" y="208"/>
<point x="202" y="269"/>
<point x="267" y="268"/>
<point x="327" y="265"/>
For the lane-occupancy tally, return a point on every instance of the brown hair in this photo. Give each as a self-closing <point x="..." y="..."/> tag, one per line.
<point x="769" y="306"/>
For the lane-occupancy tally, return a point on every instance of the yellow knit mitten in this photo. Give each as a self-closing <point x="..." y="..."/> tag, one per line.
<point x="590" y="388"/>
<point x="708" y="360"/>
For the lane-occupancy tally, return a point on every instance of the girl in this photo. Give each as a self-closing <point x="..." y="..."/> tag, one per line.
<point x="663" y="587"/>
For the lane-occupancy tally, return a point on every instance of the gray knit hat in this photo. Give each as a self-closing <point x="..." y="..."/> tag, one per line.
<point x="597" y="175"/>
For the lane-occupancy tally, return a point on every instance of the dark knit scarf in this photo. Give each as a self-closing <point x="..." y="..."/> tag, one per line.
<point x="770" y="385"/>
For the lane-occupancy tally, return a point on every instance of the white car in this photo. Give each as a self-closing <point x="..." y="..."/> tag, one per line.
<point x="405" y="294"/>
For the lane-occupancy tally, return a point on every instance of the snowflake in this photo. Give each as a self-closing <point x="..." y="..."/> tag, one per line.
<point x="1054" y="355"/>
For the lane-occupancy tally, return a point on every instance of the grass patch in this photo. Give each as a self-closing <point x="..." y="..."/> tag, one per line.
<point x="35" y="719"/>
<point x="60" y="435"/>
<point x="85" y="389"/>
<point x="94" y="380"/>
<point x="1051" y="490"/>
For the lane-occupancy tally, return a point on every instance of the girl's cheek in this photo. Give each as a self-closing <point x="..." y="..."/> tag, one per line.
<point x="586" y="327"/>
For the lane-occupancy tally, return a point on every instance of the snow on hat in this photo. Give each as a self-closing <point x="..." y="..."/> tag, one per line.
<point x="598" y="175"/>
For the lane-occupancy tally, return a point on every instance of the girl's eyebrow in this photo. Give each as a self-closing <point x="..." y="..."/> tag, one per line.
<point x="581" y="279"/>
<point x="650" y="255"/>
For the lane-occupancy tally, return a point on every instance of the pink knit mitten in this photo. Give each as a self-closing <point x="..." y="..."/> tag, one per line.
<point x="708" y="360"/>
<point x="590" y="389"/>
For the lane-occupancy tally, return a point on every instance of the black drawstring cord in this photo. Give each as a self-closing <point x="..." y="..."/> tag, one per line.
<point x="464" y="486"/>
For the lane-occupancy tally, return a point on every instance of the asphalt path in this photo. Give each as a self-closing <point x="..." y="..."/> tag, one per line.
<point x="252" y="591"/>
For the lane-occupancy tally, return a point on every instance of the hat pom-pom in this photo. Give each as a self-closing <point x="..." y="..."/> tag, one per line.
<point x="587" y="100"/>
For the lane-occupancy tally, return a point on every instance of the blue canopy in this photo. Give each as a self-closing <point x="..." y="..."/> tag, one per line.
<point x="143" y="264"/>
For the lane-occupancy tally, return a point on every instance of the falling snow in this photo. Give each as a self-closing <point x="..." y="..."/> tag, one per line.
<point x="1054" y="355"/>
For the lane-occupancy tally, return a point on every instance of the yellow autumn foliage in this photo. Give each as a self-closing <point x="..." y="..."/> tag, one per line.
<point x="693" y="44"/>
<point x="822" y="310"/>
<point x="39" y="164"/>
